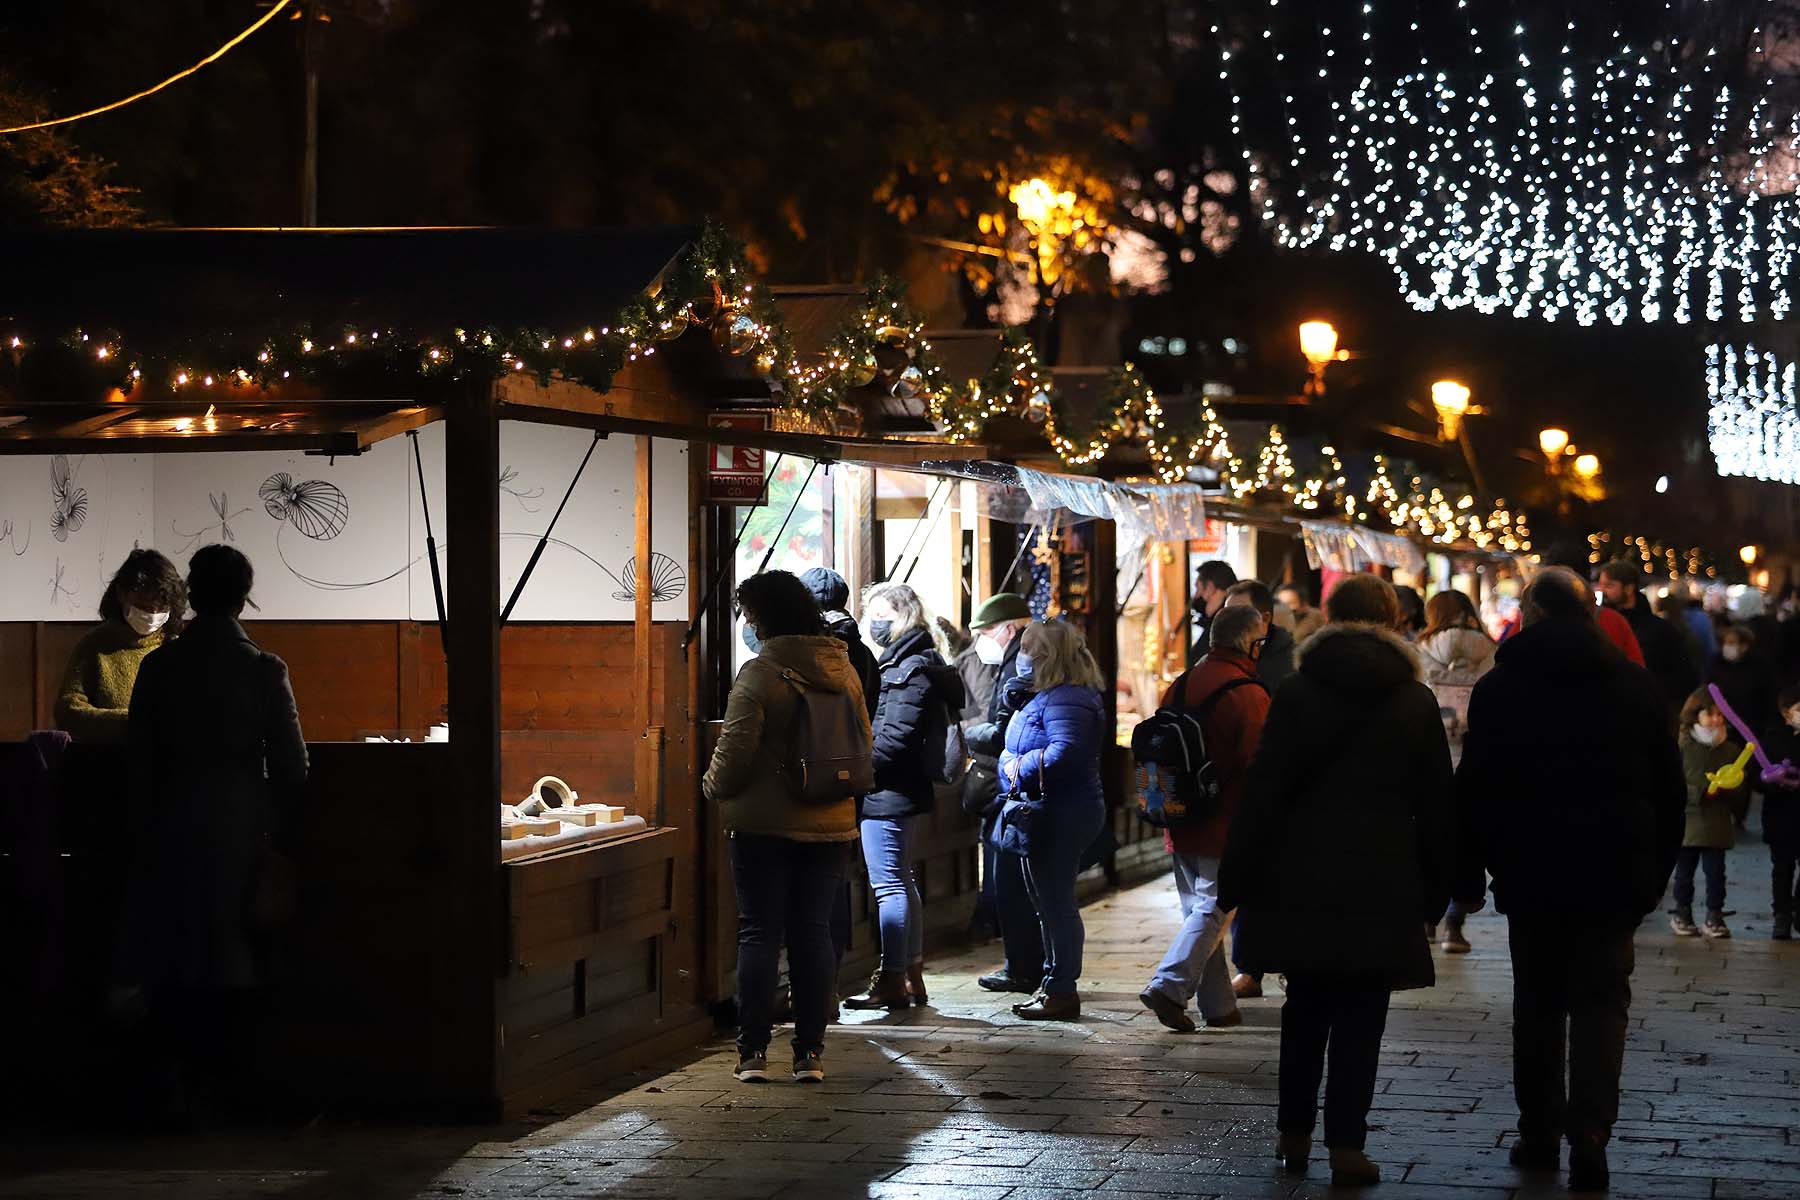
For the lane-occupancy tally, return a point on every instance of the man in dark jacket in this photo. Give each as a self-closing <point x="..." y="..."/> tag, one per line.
<point x="1275" y="656"/>
<point x="1231" y="704"/>
<point x="1665" y="650"/>
<point x="833" y="595"/>
<point x="1211" y="581"/>
<point x="997" y="625"/>
<point x="1571" y="795"/>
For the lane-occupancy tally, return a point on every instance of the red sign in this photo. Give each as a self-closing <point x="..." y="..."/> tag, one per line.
<point x="734" y="474"/>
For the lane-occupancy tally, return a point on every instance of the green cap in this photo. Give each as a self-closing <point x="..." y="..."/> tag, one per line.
<point x="1001" y="606"/>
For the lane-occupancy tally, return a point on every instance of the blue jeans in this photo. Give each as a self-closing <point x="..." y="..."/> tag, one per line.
<point x="785" y="892"/>
<point x="1050" y="871"/>
<point x="1237" y="922"/>
<point x="1690" y="858"/>
<point x="900" y="916"/>
<point x="1194" y="967"/>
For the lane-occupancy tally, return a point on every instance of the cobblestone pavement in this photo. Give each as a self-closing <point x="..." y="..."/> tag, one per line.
<point x="964" y="1100"/>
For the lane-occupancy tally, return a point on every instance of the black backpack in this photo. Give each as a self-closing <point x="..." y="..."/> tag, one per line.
<point x="831" y="758"/>
<point x="1176" y="784"/>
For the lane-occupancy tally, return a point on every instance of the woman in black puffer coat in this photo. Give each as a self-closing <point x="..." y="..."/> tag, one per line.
<point x="1339" y="857"/>
<point x="915" y="679"/>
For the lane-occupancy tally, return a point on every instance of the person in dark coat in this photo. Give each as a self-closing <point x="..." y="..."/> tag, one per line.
<point x="1781" y="816"/>
<point x="833" y="595"/>
<point x="1571" y="795"/>
<point x="218" y="764"/>
<point x="1230" y="704"/>
<point x="1747" y="678"/>
<point x="913" y="678"/>
<point x="1339" y="857"/>
<point x="1275" y="646"/>
<point x="997" y="624"/>
<point x="1664" y="647"/>
<point x="1212" y="579"/>
<point x="1053" y="806"/>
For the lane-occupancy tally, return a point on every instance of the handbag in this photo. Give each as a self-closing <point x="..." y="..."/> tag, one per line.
<point x="1021" y="818"/>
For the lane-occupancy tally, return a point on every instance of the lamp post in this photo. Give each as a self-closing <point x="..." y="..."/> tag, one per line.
<point x="1553" y="442"/>
<point x="1451" y="400"/>
<point x="1319" y="345"/>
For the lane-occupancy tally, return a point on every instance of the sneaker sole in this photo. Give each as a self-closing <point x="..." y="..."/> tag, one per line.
<point x="751" y="1076"/>
<point x="809" y="1077"/>
<point x="1462" y="948"/>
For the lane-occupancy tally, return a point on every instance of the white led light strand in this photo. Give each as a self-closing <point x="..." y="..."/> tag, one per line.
<point x="1752" y="424"/>
<point x="1634" y="185"/>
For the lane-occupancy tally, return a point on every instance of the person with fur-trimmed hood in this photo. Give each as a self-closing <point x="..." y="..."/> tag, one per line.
<point x="1340" y="855"/>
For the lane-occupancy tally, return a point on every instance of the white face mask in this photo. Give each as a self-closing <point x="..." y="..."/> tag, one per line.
<point x="989" y="651"/>
<point x="145" y="623"/>
<point x="1731" y="652"/>
<point x="1709" y="735"/>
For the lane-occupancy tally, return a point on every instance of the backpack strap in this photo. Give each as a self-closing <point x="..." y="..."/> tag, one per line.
<point x="1230" y="685"/>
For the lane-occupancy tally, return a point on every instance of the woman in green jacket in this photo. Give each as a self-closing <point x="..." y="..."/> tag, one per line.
<point x="142" y="608"/>
<point x="788" y="856"/>
<point x="1706" y="746"/>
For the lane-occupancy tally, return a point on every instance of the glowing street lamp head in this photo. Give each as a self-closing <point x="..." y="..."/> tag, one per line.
<point x="1451" y="399"/>
<point x="1749" y="555"/>
<point x="1318" y="342"/>
<point x="1587" y="466"/>
<point x="1553" y="441"/>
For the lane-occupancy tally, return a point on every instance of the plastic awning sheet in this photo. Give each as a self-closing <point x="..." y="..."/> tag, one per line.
<point x="1352" y="548"/>
<point x="1142" y="511"/>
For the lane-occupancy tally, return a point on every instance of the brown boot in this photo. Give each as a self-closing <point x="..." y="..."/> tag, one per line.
<point x="887" y="989"/>
<point x="1352" y="1168"/>
<point x="1051" y="1006"/>
<point x="915" y="984"/>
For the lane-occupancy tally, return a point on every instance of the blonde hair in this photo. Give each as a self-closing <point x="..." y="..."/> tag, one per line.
<point x="909" y="610"/>
<point x="1059" y="655"/>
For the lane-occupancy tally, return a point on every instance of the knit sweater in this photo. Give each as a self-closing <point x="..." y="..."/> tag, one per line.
<point x="96" y="690"/>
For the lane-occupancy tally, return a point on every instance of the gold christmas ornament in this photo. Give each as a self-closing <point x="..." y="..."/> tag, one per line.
<point x="861" y="370"/>
<point x="910" y="383"/>
<point x="739" y="335"/>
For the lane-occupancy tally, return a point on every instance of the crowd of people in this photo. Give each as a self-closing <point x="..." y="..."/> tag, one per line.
<point x="1381" y="766"/>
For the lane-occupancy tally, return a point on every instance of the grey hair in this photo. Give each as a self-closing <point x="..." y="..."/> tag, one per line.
<point x="1234" y="628"/>
<point x="1556" y="592"/>
<point x="1059" y="655"/>
<point x="909" y="610"/>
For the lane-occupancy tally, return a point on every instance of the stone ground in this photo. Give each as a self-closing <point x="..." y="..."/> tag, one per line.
<point x="963" y="1100"/>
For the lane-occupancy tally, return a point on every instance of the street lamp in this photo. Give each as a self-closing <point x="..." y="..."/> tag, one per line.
<point x="1587" y="466"/>
<point x="1748" y="554"/>
<point x="1319" y="344"/>
<point x="1553" y="442"/>
<point x="1451" y="399"/>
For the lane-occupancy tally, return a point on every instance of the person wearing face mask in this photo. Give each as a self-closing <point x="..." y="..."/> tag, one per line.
<point x="998" y="623"/>
<point x="140" y="610"/>
<point x="914" y="678"/>
<point x="1274" y="648"/>
<point x="1743" y="673"/>
<point x="1781" y="817"/>
<point x="1211" y="581"/>
<point x="1706" y="746"/>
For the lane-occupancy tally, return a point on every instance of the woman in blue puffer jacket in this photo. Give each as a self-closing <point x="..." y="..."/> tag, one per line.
<point x="1050" y="778"/>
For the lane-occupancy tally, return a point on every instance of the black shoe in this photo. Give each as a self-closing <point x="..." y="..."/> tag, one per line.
<point x="1784" y="927"/>
<point x="1587" y="1169"/>
<point x="1533" y="1154"/>
<point x="1000" y="981"/>
<point x="1172" y="1015"/>
<point x="809" y="1066"/>
<point x="753" y="1067"/>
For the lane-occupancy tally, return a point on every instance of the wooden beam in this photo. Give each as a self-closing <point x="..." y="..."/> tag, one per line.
<point x="392" y="424"/>
<point x="99" y="421"/>
<point x="472" y="816"/>
<point x="649" y="758"/>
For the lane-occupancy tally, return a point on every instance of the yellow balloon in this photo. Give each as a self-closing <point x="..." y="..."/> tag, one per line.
<point x="1729" y="777"/>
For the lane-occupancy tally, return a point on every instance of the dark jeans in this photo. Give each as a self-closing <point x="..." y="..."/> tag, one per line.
<point x="1050" y="871"/>
<point x="1571" y="986"/>
<point x="786" y="891"/>
<point x="1784" y="860"/>
<point x="1714" y="861"/>
<point x="1345" y="1017"/>
<point x="1236" y="922"/>
<point x="1020" y="934"/>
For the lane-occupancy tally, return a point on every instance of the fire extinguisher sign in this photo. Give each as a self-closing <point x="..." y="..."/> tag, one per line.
<point x="734" y="474"/>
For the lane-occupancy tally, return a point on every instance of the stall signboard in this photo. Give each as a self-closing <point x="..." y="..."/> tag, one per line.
<point x="735" y="474"/>
<point x="1213" y="543"/>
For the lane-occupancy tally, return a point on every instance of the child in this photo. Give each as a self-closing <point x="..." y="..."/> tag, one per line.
<point x="1781" y="815"/>
<point x="1705" y="746"/>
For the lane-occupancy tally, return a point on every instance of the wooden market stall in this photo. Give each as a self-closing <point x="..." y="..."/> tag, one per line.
<point x="429" y="967"/>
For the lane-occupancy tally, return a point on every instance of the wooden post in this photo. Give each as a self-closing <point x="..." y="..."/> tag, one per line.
<point x="472" y="473"/>
<point x="649" y="759"/>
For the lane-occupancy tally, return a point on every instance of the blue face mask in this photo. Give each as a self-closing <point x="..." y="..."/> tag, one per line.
<point x="881" y="633"/>
<point x="751" y="641"/>
<point x="1023" y="664"/>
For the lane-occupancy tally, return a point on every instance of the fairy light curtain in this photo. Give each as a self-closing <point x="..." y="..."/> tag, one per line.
<point x="1752" y="425"/>
<point x="1611" y="162"/>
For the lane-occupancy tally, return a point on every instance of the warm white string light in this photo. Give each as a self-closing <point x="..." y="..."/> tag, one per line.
<point x="1624" y="187"/>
